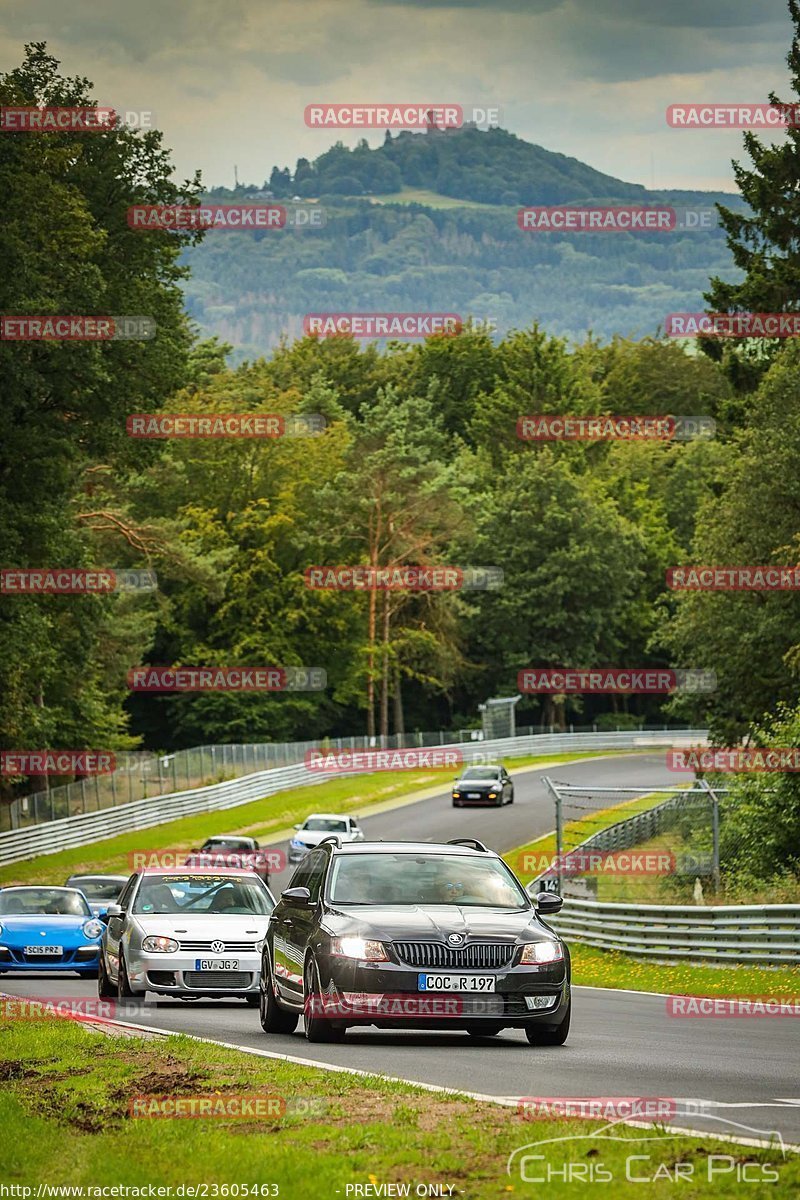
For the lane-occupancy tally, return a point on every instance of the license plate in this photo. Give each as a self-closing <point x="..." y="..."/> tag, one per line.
<point x="216" y="964"/>
<point x="49" y="950"/>
<point x="455" y="983"/>
<point x="473" y="795"/>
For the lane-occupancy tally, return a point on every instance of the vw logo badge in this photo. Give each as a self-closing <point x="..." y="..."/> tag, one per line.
<point x="218" y="947"/>
<point x="455" y="939"/>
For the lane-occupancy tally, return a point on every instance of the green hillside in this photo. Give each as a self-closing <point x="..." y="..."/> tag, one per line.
<point x="429" y="222"/>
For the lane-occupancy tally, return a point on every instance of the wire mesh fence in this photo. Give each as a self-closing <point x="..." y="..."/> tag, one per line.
<point x="141" y="775"/>
<point x="635" y="843"/>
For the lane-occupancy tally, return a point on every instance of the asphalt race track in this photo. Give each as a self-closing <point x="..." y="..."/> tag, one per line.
<point x="746" y="1070"/>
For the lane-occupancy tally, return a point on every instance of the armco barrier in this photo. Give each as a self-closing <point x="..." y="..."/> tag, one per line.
<point x="742" y="933"/>
<point x="20" y="844"/>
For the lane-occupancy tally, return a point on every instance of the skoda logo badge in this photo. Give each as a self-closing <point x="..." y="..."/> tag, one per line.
<point x="455" y="939"/>
<point x="218" y="947"/>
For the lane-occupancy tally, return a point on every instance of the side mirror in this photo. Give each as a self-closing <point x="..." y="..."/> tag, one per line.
<point x="297" y="896"/>
<point x="113" y="910"/>
<point x="297" y="827"/>
<point x="548" y="902"/>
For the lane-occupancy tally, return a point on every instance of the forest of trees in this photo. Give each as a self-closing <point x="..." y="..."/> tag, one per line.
<point x="419" y="461"/>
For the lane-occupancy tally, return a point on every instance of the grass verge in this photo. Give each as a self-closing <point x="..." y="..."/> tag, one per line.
<point x="613" y="969"/>
<point x="530" y="860"/>
<point x="260" y="819"/>
<point x="65" y="1108"/>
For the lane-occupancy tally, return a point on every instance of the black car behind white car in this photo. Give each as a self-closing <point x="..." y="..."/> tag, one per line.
<point x="407" y="934"/>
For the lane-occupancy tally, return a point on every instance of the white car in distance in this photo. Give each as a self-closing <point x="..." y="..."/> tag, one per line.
<point x="319" y="826"/>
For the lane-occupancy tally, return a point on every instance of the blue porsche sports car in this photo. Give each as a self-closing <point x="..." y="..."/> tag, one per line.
<point x="48" y="929"/>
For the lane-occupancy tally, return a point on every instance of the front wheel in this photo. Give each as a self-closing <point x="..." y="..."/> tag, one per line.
<point x="105" y="988"/>
<point x="541" y="1035"/>
<point x="274" y="1019"/>
<point x="253" y="999"/>
<point x="318" y="1029"/>
<point x="481" y="1031"/>
<point x="124" y="989"/>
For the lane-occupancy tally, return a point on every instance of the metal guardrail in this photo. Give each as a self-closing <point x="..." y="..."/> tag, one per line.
<point x="18" y="845"/>
<point x="742" y="933"/>
<point x="140" y="775"/>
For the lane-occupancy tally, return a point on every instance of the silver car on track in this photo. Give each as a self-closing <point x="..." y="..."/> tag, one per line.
<point x="189" y="932"/>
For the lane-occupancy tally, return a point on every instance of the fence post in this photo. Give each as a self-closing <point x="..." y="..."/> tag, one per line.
<point x="559" y="831"/>
<point x="714" y="832"/>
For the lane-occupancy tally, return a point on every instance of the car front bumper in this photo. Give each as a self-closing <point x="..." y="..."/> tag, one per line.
<point x="85" y="957"/>
<point x="177" y="974"/>
<point x="359" y="986"/>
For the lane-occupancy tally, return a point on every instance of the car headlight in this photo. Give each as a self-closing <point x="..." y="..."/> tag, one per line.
<point x="159" y="945"/>
<point x="92" y="929"/>
<point x="542" y="952"/>
<point x="296" y="845"/>
<point x="360" y="948"/>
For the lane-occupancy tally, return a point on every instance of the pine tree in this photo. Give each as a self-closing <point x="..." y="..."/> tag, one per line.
<point x="765" y="242"/>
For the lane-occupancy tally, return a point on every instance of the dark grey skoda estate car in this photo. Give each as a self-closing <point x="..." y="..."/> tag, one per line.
<point x="413" y="935"/>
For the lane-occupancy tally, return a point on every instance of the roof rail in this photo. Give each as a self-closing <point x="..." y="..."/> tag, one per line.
<point x="332" y="837"/>
<point x="469" y="842"/>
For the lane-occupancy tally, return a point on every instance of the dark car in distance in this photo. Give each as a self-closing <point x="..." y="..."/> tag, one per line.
<point x="413" y="935"/>
<point x="234" y="850"/>
<point x="483" y="785"/>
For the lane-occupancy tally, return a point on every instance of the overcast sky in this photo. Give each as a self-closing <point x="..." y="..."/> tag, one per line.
<point x="229" y="80"/>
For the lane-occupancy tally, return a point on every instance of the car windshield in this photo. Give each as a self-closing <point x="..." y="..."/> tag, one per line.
<point x="99" y="889"/>
<point x="210" y="894"/>
<point x="226" y="844"/>
<point x="39" y="901"/>
<point x="404" y="878"/>
<point x="481" y="773"/>
<point x="326" y="825"/>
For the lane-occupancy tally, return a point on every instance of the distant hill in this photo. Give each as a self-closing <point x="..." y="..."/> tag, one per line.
<point x="460" y="250"/>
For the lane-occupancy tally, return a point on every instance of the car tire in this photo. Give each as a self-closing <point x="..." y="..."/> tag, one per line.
<point x="554" y="1035"/>
<point x="124" y="989"/>
<point x="274" y="1019"/>
<point x="482" y="1031"/>
<point x="511" y="797"/>
<point x="318" y="1029"/>
<point x="253" y="999"/>
<point x="105" y="988"/>
<point x="88" y="974"/>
